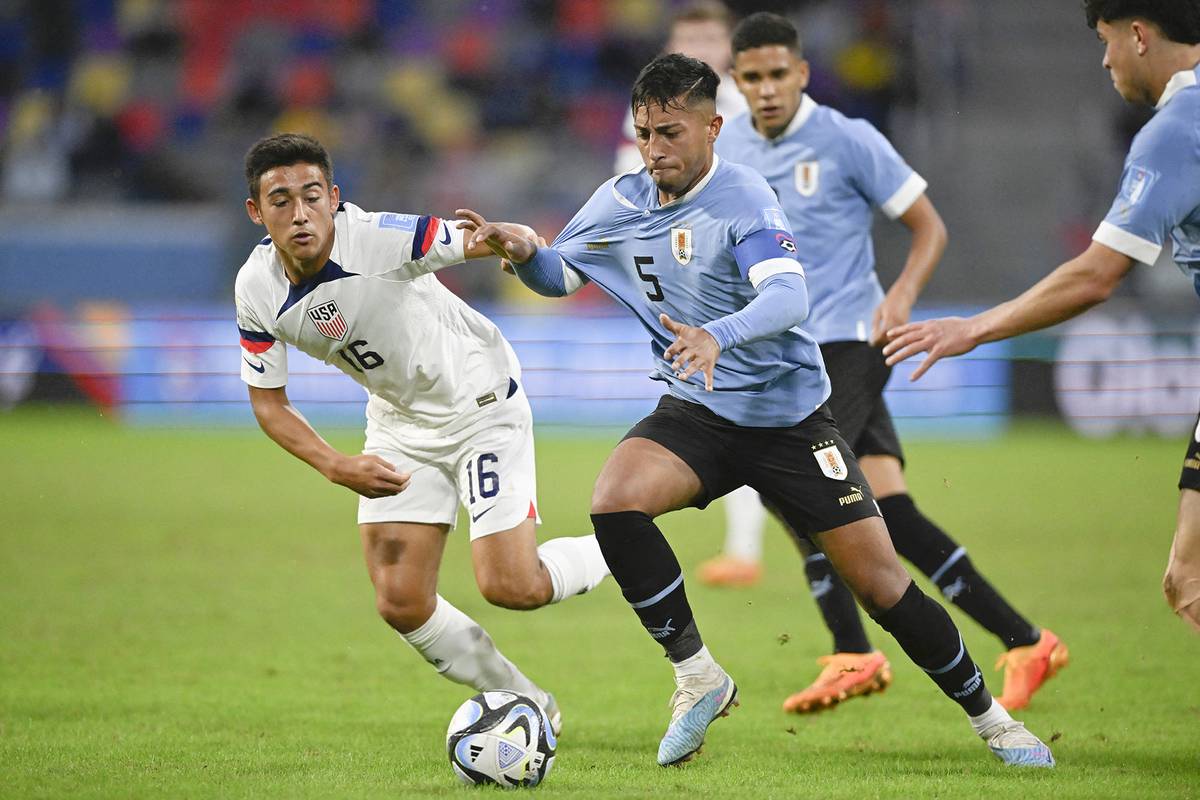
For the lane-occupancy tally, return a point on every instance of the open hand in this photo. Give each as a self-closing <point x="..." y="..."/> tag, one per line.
<point x="694" y="350"/>
<point x="517" y="243"/>
<point x="939" y="338"/>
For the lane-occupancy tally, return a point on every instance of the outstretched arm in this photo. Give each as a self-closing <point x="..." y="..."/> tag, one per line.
<point x="539" y="267"/>
<point x="928" y="243"/>
<point x="1068" y="291"/>
<point x="508" y="240"/>
<point x="367" y="475"/>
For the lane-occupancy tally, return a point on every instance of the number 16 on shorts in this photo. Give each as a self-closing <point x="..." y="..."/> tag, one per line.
<point x="483" y="482"/>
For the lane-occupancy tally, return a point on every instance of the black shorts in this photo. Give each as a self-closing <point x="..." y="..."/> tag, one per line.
<point x="1190" y="477"/>
<point x="858" y="374"/>
<point x="806" y="472"/>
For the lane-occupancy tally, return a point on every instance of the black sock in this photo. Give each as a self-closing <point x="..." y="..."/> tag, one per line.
<point x="927" y="634"/>
<point x="837" y="606"/>
<point x="645" y="567"/>
<point x="918" y="539"/>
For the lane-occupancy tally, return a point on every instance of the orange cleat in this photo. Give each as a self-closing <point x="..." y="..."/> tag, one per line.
<point x="729" y="571"/>
<point x="845" y="675"/>
<point x="1027" y="668"/>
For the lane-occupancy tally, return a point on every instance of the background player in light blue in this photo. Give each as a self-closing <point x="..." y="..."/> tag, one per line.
<point x="1152" y="52"/>
<point x="830" y="173"/>
<point x="699" y="250"/>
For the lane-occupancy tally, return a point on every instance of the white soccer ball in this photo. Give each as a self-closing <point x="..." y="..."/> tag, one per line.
<point x="502" y="738"/>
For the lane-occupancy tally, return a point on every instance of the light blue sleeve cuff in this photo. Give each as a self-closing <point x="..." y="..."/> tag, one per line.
<point x="543" y="273"/>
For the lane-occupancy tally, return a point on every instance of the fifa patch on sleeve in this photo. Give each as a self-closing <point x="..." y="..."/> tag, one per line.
<point x="1136" y="183"/>
<point x="775" y="218"/>
<point x="399" y="222"/>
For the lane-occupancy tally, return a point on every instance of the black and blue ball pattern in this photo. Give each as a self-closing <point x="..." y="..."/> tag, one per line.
<point x="503" y="738"/>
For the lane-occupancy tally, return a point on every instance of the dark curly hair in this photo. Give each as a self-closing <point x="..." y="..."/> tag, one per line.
<point x="676" y="81"/>
<point x="1179" y="20"/>
<point x="282" y="150"/>
<point x="763" y="30"/>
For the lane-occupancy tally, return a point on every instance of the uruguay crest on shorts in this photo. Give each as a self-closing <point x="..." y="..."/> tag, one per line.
<point x="831" y="463"/>
<point x="808" y="177"/>
<point x="328" y="320"/>
<point x="681" y="245"/>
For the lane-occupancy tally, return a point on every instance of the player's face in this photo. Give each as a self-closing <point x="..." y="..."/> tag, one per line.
<point x="297" y="209"/>
<point x="1122" y="51"/>
<point x="676" y="143"/>
<point x="707" y="40"/>
<point x="772" y="79"/>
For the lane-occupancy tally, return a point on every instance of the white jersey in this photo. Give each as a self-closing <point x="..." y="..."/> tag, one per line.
<point x="377" y="313"/>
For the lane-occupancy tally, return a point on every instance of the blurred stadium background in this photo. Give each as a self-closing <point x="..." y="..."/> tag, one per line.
<point x="121" y="224"/>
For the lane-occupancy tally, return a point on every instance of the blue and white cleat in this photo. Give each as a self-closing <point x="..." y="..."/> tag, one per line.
<point x="697" y="701"/>
<point x="1016" y="746"/>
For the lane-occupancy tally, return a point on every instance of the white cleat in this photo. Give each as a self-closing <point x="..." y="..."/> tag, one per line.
<point x="1016" y="746"/>
<point x="697" y="701"/>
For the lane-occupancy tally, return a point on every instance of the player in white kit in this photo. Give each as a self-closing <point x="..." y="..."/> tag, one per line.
<point x="447" y="420"/>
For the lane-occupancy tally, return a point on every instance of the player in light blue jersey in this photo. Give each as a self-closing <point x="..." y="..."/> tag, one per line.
<point x="699" y="250"/>
<point x="830" y="173"/>
<point x="1152" y="52"/>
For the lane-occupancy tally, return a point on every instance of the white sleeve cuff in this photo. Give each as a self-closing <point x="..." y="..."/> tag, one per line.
<point x="1126" y="243"/>
<point x="458" y="245"/>
<point x="773" y="266"/>
<point x="905" y="196"/>
<point x="572" y="280"/>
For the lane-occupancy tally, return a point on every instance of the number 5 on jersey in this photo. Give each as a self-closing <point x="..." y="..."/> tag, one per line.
<point x="645" y="261"/>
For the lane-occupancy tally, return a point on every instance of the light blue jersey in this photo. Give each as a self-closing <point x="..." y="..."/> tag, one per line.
<point x="1159" y="198"/>
<point x="830" y="172"/>
<point x="698" y="259"/>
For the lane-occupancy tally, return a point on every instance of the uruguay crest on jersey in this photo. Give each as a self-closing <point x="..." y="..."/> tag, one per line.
<point x="328" y="320"/>
<point x="830" y="460"/>
<point x="681" y="245"/>
<point x="808" y="177"/>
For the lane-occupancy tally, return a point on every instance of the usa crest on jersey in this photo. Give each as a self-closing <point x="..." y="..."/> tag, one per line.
<point x="808" y="177"/>
<point x="328" y="320"/>
<point x="681" y="245"/>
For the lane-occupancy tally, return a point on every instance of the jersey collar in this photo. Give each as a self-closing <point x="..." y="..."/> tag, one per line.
<point x="1179" y="81"/>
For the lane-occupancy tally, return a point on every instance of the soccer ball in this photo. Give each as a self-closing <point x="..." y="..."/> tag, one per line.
<point x="502" y="738"/>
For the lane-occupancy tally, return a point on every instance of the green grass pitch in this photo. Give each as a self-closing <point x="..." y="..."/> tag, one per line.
<point x="186" y="614"/>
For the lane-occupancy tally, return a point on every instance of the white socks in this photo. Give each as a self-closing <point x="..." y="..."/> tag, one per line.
<point x="692" y="666"/>
<point x="993" y="716"/>
<point x="575" y="564"/>
<point x="744" y="520"/>
<point x="460" y="649"/>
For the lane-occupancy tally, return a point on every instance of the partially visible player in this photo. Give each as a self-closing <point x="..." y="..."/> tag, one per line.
<point x="830" y="173"/>
<point x="700" y="251"/>
<point x="1152" y="52"/>
<point x="447" y="420"/>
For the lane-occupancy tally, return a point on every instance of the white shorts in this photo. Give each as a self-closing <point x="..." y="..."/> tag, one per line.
<point x="488" y="466"/>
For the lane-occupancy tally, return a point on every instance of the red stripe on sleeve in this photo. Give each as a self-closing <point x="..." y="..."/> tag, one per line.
<point x="256" y="347"/>
<point x="431" y="234"/>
